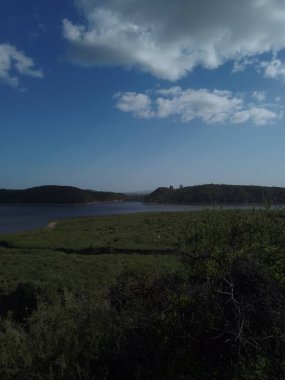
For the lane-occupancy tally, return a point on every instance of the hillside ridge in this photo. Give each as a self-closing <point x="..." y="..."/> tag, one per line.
<point x="220" y="194"/>
<point x="57" y="194"/>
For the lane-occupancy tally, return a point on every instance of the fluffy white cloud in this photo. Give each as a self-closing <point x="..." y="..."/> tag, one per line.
<point x="259" y="95"/>
<point x="138" y="104"/>
<point x="209" y="106"/>
<point x="169" y="38"/>
<point x="14" y="63"/>
<point x="257" y="115"/>
<point x="243" y="63"/>
<point x="274" y="69"/>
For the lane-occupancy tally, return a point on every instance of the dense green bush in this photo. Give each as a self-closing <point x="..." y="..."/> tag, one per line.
<point x="223" y="325"/>
<point x="227" y="324"/>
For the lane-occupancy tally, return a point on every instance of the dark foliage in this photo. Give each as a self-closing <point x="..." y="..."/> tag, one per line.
<point x="224" y="325"/>
<point x="20" y="303"/>
<point x="56" y="194"/>
<point x="219" y="194"/>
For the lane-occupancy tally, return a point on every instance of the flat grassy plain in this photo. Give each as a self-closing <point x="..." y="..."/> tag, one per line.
<point x="146" y="296"/>
<point x="96" y="250"/>
<point x="63" y="256"/>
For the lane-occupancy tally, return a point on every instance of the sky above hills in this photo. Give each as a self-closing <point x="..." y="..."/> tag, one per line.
<point x="129" y="95"/>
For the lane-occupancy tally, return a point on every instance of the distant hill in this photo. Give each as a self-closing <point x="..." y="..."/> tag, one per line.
<point x="219" y="194"/>
<point x="137" y="196"/>
<point x="57" y="194"/>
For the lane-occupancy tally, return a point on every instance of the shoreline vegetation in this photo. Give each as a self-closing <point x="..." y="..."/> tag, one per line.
<point x="157" y="296"/>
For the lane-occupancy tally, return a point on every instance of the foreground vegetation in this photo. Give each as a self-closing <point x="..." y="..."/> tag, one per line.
<point x="148" y="296"/>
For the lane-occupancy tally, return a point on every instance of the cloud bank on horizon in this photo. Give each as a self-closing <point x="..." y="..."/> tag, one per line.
<point x="169" y="39"/>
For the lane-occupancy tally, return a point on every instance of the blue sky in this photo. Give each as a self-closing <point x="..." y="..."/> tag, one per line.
<point x="132" y="95"/>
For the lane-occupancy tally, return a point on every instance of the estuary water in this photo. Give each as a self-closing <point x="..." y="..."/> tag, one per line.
<point x="25" y="217"/>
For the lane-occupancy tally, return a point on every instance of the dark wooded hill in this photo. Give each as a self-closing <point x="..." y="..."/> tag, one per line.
<point x="57" y="194"/>
<point x="218" y="194"/>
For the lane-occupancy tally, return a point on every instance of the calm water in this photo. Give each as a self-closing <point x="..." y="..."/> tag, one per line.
<point x="17" y="218"/>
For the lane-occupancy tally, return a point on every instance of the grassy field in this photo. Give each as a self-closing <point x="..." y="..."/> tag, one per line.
<point x="110" y="297"/>
<point x="152" y="230"/>
<point x="62" y="256"/>
<point x="98" y="249"/>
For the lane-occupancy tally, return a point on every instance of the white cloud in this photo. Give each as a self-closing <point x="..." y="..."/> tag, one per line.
<point x="138" y="104"/>
<point x="243" y="63"/>
<point x="14" y="63"/>
<point x="170" y="38"/>
<point x="274" y="69"/>
<point x="209" y="106"/>
<point x="259" y="95"/>
<point x="257" y="115"/>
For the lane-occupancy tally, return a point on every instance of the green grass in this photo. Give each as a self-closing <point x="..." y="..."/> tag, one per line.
<point x="36" y="256"/>
<point x="39" y="255"/>
<point x="125" y="231"/>
<point x="138" y="231"/>
<point x="72" y="272"/>
<point x="209" y="307"/>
